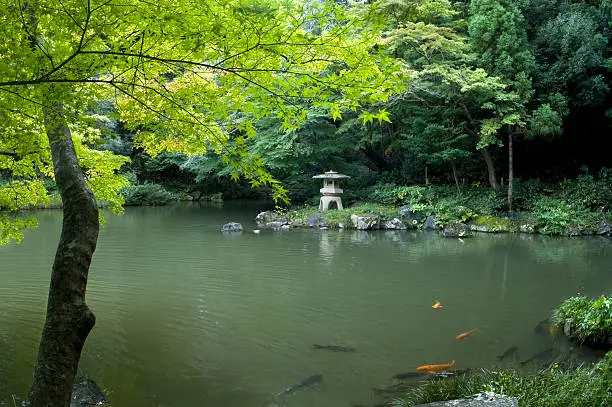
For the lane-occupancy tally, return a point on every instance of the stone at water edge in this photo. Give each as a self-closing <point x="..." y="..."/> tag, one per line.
<point x="315" y="220"/>
<point x="263" y="217"/>
<point x="394" y="224"/>
<point x="86" y="393"/>
<point x="486" y="399"/>
<point x="232" y="227"/>
<point x="457" y="229"/>
<point x="365" y="222"/>
<point x="430" y="224"/>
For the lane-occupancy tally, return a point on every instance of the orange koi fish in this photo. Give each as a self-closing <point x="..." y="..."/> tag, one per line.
<point x="437" y="305"/>
<point x="435" y="368"/>
<point x="466" y="334"/>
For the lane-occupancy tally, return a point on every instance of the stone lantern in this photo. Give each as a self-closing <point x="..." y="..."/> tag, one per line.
<point x="331" y="190"/>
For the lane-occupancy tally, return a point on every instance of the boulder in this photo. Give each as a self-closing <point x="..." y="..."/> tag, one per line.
<point x="575" y="231"/>
<point x="490" y="224"/>
<point x="394" y="224"/>
<point x="232" y="227"/>
<point x="527" y="228"/>
<point x="486" y="399"/>
<point x="264" y="217"/>
<point x="409" y="216"/>
<point x="86" y="393"/>
<point x="365" y="222"/>
<point x="430" y="224"/>
<point x="276" y="225"/>
<point x="604" y="228"/>
<point x="315" y="220"/>
<point x="457" y="229"/>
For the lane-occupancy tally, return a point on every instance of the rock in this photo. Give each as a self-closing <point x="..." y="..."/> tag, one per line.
<point x="479" y="228"/>
<point x="365" y="222"/>
<point x="486" y="399"/>
<point x="604" y="228"/>
<point x="409" y="216"/>
<point x="86" y="393"/>
<point x="216" y="198"/>
<point x="431" y="224"/>
<point x="232" y="227"/>
<point x="457" y="229"/>
<point x="394" y="224"/>
<point x="575" y="231"/>
<point x="298" y="223"/>
<point x="490" y="224"/>
<point x="567" y="327"/>
<point x="264" y="217"/>
<point x="314" y="220"/>
<point x="527" y="228"/>
<point x="274" y="224"/>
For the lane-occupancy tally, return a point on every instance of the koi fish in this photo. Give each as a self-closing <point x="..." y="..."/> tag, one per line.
<point x="435" y="368"/>
<point x="466" y="334"/>
<point x="437" y="305"/>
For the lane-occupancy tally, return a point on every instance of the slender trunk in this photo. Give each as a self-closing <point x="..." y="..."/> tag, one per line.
<point x="455" y="176"/>
<point x="485" y="151"/>
<point x="426" y="177"/>
<point x="490" y="167"/>
<point x="510" y="169"/>
<point x="68" y="320"/>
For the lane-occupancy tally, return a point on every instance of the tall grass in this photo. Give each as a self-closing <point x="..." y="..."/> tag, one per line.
<point x="585" y="386"/>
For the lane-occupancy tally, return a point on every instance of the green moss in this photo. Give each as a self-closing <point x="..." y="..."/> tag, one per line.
<point x="494" y="223"/>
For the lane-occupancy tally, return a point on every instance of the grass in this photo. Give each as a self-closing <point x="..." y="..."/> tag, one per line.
<point x="587" y="385"/>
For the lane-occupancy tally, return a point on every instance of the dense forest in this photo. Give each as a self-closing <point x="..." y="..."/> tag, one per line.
<point x="490" y="81"/>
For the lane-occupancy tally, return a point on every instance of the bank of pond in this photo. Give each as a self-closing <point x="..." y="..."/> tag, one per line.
<point x="456" y="222"/>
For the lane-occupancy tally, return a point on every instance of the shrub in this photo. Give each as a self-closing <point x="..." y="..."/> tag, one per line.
<point x="592" y="318"/>
<point x="146" y="194"/>
<point x="552" y="215"/>
<point x="393" y="194"/>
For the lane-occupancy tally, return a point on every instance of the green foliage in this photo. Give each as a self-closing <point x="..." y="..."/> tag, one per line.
<point x="553" y="215"/>
<point x="587" y="192"/>
<point x="552" y="387"/>
<point x="11" y="227"/>
<point x="392" y="194"/>
<point x="592" y="318"/>
<point x="451" y="210"/>
<point x="147" y="194"/>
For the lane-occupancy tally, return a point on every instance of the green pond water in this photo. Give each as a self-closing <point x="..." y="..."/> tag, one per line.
<point x="188" y="316"/>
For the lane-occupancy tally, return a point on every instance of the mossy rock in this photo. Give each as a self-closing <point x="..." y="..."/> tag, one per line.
<point x="491" y="224"/>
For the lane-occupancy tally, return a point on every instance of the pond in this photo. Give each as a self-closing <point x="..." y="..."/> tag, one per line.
<point x="188" y="316"/>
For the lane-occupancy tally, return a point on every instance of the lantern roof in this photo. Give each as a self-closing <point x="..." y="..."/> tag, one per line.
<point x="331" y="175"/>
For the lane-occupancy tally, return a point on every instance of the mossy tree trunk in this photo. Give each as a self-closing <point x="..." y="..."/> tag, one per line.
<point x="68" y="320"/>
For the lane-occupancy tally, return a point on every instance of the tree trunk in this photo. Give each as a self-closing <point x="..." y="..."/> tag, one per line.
<point x="490" y="167"/>
<point x="485" y="151"/>
<point x="510" y="170"/>
<point x="68" y="320"/>
<point x="426" y="177"/>
<point x="455" y="176"/>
